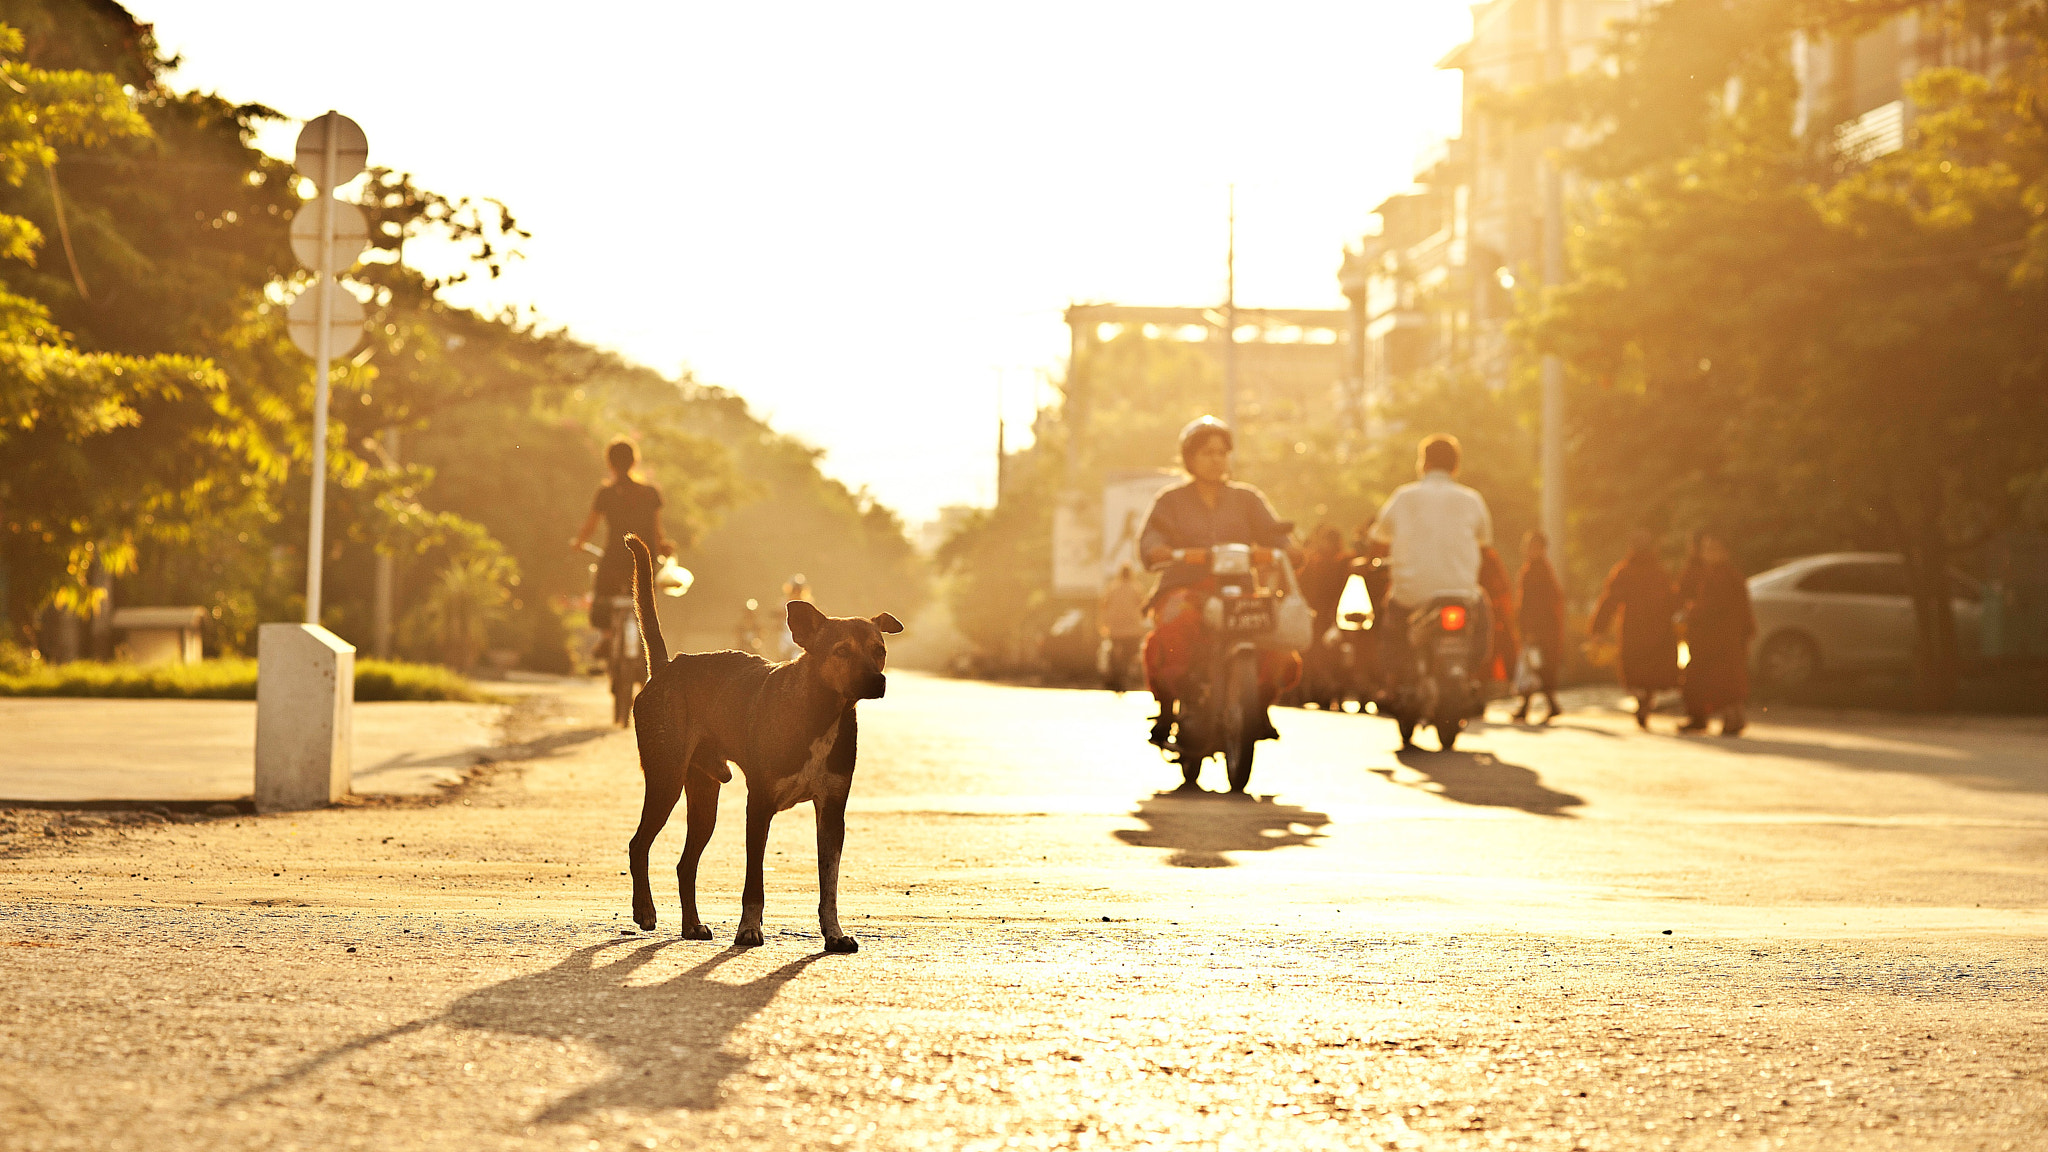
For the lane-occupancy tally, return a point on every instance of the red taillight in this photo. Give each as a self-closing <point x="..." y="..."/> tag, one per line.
<point x="1454" y="618"/>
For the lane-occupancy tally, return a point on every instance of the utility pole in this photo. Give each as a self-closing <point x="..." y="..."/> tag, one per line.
<point x="381" y="601"/>
<point x="1551" y="446"/>
<point x="1230" y="320"/>
<point x="1001" y="448"/>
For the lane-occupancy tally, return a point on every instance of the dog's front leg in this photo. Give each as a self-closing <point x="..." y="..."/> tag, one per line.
<point x="831" y="810"/>
<point x="760" y="810"/>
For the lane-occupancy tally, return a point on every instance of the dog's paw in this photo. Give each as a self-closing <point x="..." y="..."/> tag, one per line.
<point x="747" y="938"/>
<point x="842" y="944"/>
<point x="696" y="932"/>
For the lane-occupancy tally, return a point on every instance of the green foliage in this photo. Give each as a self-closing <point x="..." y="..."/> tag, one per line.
<point x="98" y="449"/>
<point x="153" y="413"/>
<point x="467" y="598"/>
<point x="233" y="678"/>
<point x="399" y="680"/>
<point x="1804" y="350"/>
<point x="999" y="587"/>
<point x="787" y="517"/>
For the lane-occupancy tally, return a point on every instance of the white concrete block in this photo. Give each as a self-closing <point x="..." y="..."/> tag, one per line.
<point x="305" y="706"/>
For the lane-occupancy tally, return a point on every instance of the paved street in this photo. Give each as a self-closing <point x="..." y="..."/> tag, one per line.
<point x="188" y="751"/>
<point x="1826" y="935"/>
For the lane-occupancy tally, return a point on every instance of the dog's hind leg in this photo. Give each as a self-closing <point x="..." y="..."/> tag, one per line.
<point x="760" y="810"/>
<point x="701" y="816"/>
<point x="664" y="771"/>
<point x="831" y="812"/>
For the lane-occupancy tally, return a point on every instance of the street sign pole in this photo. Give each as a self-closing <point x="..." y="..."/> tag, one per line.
<point x="324" y="323"/>
<point x="305" y="679"/>
<point x="323" y="344"/>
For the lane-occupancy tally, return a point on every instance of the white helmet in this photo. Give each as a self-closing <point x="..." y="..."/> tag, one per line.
<point x="1201" y="427"/>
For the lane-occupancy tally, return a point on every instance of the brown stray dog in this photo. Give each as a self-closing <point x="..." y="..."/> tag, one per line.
<point x="789" y="727"/>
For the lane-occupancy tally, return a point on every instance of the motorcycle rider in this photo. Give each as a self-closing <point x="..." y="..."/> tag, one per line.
<point x="1185" y="521"/>
<point x="1433" y="530"/>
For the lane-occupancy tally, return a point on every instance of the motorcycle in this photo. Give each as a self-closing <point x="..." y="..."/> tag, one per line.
<point x="1441" y="687"/>
<point x="1348" y="664"/>
<point x="1221" y="710"/>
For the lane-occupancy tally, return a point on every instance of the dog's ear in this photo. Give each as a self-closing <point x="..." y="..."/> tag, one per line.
<point x="887" y="623"/>
<point x="804" y="622"/>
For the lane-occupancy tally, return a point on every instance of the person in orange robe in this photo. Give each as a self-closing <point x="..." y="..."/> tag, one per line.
<point x="1640" y="592"/>
<point x="1500" y="595"/>
<point x="1718" y="625"/>
<point x="1541" y="613"/>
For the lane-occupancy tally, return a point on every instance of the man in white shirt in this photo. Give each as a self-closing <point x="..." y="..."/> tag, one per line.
<point x="1433" y="530"/>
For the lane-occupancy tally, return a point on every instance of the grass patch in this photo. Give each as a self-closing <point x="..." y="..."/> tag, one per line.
<point x="231" y="678"/>
<point x="398" y="680"/>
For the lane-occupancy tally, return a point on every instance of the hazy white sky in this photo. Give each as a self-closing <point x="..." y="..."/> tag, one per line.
<point x="859" y="217"/>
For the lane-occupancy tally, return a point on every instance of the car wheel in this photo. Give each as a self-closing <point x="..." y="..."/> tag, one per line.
<point x="1789" y="660"/>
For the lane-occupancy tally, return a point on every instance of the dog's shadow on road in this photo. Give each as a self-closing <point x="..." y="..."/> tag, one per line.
<point x="664" y="1042"/>
<point x="1200" y="829"/>
<point x="1479" y="778"/>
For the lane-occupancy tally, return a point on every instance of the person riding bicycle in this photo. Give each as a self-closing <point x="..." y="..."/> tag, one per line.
<point x="625" y="505"/>
<point x="1433" y="530"/>
<point x="1185" y="521"/>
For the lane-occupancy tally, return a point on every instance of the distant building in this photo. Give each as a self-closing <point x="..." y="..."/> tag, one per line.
<point x="1287" y="358"/>
<point x="1433" y="289"/>
<point x="1854" y="87"/>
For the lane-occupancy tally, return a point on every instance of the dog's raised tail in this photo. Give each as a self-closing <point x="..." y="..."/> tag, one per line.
<point x="643" y="604"/>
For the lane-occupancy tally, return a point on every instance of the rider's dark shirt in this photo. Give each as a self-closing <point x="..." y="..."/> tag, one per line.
<point x="1180" y="519"/>
<point x="627" y="506"/>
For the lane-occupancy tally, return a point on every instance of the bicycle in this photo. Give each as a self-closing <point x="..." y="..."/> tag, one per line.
<point x="624" y="665"/>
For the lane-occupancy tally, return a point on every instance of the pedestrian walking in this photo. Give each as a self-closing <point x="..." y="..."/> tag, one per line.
<point x="1121" y="618"/>
<point x="1500" y="595"/>
<point x="1718" y="625"/>
<point x="1640" y="592"/>
<point x="1541" y="615"/>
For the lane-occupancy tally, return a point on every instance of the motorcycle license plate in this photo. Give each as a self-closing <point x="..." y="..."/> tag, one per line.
<point x="1248" y="615"/>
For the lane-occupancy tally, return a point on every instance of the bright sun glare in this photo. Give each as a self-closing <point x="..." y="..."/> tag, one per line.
<point x="863" y="218"/>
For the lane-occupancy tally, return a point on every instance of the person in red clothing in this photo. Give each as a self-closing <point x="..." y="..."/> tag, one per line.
<point x="1541" y="614"/>
<point x="1718" y="625"/>
<point x="1500" y="597"/>
<point x="1640" y="592"/>
<point x="1186" y="520"/>
<point x="1324" y="572"/>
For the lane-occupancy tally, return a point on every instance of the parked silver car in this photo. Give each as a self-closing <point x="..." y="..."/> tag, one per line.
<point x="1845" y="612"/>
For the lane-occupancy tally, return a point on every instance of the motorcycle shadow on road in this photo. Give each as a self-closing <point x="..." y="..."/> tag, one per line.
<point x="665" y="1042"/>
<point x="1479" y="778"/>
<point x="1201" y="829"/>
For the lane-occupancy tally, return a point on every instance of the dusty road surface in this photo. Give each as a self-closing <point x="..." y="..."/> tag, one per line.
<point x="1828" y="935"/>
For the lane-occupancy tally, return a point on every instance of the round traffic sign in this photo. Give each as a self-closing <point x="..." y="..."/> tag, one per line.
<point x="351" y="234"/>
<point x="344" y="324"/>
<point x="351" y="150"/>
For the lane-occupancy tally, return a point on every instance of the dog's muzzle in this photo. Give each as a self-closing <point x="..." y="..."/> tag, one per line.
<point x="873" y="687"/>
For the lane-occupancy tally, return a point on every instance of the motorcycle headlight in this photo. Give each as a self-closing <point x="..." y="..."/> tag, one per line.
<point x="1230" y="560"/>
